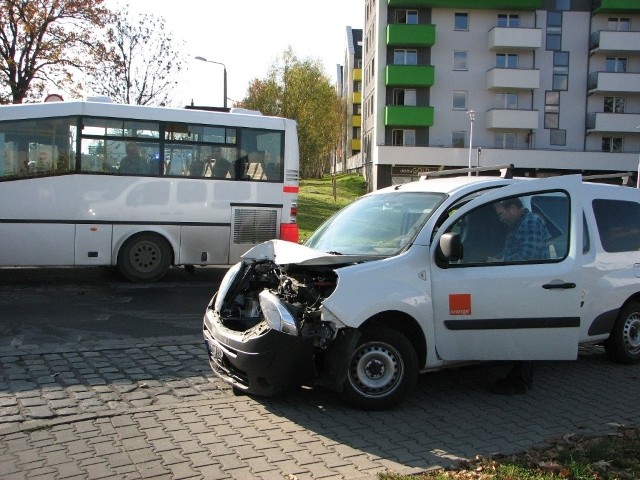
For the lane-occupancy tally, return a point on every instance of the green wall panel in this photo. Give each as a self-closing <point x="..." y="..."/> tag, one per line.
<point x="405" y="116"/>
<point x="617" y="6"/>
<point x="475" y="4"/>
<point x="410" y="75"/>
<point x="399" y="35"/>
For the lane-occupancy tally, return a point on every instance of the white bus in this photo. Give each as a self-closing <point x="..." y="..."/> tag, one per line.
<point x="204" y="188"/>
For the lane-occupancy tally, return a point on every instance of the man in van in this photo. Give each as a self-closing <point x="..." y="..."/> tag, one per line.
<point x="527" y="240"/>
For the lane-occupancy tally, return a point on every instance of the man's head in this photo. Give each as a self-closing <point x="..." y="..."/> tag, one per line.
<point x="132" y="149"/>
<point x="509" y="210"/>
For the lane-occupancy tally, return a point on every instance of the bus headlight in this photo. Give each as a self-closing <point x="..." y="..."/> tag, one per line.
<point x="276" y="314"/>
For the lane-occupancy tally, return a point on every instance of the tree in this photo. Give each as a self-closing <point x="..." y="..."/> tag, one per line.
<point x="140" y="64"/>
<point x="301" y="91"/>
<point x="43" y="42"/>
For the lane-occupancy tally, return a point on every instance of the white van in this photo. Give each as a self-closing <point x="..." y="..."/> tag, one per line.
<point x="414" y="278"/>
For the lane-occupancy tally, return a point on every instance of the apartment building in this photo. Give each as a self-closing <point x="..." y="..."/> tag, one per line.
<point x="550" y="86"/>
<point x="349" y="88"/>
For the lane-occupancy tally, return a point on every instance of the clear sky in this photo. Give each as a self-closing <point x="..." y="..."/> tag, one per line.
<point x="247" y="36"/>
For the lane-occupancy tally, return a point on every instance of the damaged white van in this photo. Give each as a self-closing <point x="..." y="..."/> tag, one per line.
<point x="414" y="278"/>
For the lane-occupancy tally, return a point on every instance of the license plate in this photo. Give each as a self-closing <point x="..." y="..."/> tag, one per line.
<point x="214" y="350"/>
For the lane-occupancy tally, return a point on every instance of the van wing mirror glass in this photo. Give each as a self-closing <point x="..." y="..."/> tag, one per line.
<point x="450" y="247"/>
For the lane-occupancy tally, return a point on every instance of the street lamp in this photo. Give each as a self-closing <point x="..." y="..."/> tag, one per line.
<point x="472" y="117"/>
<point x="202" y="59"/>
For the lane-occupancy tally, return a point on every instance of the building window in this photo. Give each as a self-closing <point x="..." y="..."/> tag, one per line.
<point x="551" y="109"/>
<point x="402" y="138"/>
<point x="357" y="86"/>
<point x="458" y="139"/>
<point x="407" y="16"/>
<point x="508" y="20"/>
<point x="506" y="60"/>
<point x="558" y="137"/>
<point x="402" y="96"/>
<point x="563" y="5"/>
<point x="560" y="70"/>
<point x="460" y="100"/>
<point x="461" y="21"/>
<point x="616" y="64"/>
<point x="507" y="100"/>
<point x="619" y="24"/>
<point x="405" y="57"/>
<point x="554" y="31"/>
<point x="614" y="104"/>
<point x="460" y="60"/>
<point x="356" y="132"/>
<point x="504" y="140"/>
<point x="612" y="144"/>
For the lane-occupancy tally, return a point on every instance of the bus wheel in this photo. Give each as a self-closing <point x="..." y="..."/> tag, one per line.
<point x="623" y="346"/>
<point x="383" y="370"/>
<point x="145" y="257"/>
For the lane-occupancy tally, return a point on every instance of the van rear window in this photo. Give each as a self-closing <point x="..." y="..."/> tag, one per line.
<point x="618" y="224"/>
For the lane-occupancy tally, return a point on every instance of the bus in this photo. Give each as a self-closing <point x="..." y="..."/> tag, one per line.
<point x="205" y="185"/>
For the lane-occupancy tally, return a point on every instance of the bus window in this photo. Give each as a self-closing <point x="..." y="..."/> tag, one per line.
<point x="36" y="148"/>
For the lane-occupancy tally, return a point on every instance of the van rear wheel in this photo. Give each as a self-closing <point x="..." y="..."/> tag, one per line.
<point x="623" y="346"/>
<point x="382" y="371"/>
<point x="145" y="257"/>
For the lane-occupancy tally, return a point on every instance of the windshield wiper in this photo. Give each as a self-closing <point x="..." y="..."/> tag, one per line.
<point x="335" y="253"/>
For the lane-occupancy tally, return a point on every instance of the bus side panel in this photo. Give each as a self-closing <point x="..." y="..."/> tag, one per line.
<point x="93" y="244"/>
<point x="204" y="245"/>
<point x="36" y="244"/>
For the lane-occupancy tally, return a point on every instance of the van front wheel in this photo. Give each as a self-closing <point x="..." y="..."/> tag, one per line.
<point x="145" y="257"/>
<point x="383" y="370"/>
<point x="623" y="346"/>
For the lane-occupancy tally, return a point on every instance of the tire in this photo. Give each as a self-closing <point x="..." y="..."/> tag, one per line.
<point x="145" y="257"/>
<point x="382" y="371"/>
<point x="623" y="345"/>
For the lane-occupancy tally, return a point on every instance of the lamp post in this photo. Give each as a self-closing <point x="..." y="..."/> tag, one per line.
<point x="472" y="117"/>
<point x="202" y="59"/>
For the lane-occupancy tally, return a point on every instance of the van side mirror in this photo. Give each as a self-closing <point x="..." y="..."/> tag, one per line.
<point x="450" y="247"/>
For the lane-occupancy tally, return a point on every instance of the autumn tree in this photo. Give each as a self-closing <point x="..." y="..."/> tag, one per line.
<point x="44" y="42"/>
<point x="300" y="90"/>
<point x="140" y="61"/>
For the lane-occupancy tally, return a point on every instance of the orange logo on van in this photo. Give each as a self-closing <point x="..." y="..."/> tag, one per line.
<point x="459" y="304"/>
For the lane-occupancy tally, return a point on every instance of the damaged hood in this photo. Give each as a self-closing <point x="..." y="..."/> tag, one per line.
<point x="282" y="252"/>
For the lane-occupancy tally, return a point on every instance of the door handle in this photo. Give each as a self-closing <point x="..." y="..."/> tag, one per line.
<point x="559" y="286"/>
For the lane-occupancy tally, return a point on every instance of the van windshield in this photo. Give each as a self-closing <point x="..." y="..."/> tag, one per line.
<point x="379" y="224"/>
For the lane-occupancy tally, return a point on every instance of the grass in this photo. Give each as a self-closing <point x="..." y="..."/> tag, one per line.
<point x="316" y="202"/>
<point x="606" y="457"/>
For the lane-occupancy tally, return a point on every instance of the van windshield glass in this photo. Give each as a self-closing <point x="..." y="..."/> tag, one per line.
<point x="381" y="224"/>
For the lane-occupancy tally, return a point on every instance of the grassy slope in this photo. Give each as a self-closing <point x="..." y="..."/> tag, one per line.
<point x="316" y="203"/>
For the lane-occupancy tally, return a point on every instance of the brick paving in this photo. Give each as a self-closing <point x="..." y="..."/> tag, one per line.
<point x="128" y="410"/>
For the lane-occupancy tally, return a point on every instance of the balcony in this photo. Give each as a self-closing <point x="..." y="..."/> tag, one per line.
<point x="513" y="79"/>
<point x="356" y="121"/>
<point x="409" y="75"/>
<point x="613" y="122"/>
<point x="408" y="116"/>
<point x="357" y="74"/>
<point x="615" y="42"/>
<point x="355" y="144"/>
<point x="610" y="82"/>
<point x="357" y="98"/>
<point x="480" y="4"/>
<point x="514" y="38"/>
<point x="406" y="35"/>
<point x="512" y="119"/>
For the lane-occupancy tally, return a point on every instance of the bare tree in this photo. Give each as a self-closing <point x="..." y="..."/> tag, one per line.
<point x="43" y="42"/>
<point x="140" y="62"/>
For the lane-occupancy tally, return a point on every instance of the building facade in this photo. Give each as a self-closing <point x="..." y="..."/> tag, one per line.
<point x="550" y="86"/>
<point x="350" y="90"/>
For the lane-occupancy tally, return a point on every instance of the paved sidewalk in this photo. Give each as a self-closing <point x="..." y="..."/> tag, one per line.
<point x="154" y="410"/>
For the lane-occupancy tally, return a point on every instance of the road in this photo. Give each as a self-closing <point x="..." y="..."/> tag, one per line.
<point x="63" y="305"/>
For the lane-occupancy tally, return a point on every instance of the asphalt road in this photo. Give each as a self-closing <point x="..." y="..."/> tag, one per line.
<point x="62" y="305"/>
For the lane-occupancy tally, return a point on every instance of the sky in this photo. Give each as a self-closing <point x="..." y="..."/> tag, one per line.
<point x="248" y="36"/>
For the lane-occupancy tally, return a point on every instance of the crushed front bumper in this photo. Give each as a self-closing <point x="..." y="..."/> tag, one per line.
<point x="259" y="361"/>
